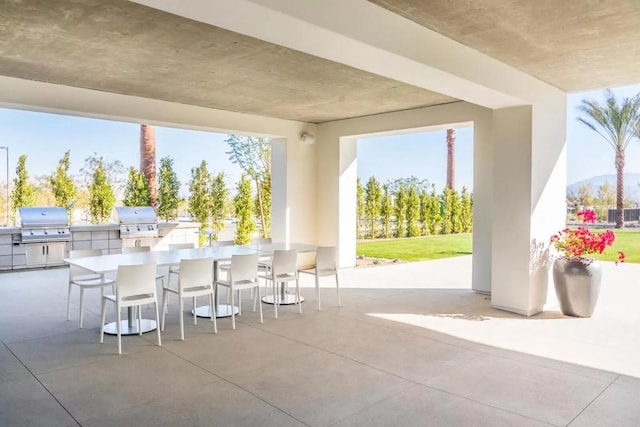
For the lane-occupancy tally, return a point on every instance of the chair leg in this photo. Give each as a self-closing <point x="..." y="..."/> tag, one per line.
<point x="318" y="290"/>
<point x="338" y="289"/>
<point x="195" y="317"/>
<point x="298" y="295"/>
<point x="275" y="298"/>
<point x="69" y="301"/>
<point x="254" y="295"/>
<point x="233" y="311"/>
<point x="140" y="320"/>
<point x="158" y="329"/>
<point x="164" y="307"/>
<point x="259" y="303"/>
<point x="81" y="300"/>
<point x="181" y="314"/>
<point x="213" y="313"/>
<point x="103" y="315"/>
<point x="118" y="329"/>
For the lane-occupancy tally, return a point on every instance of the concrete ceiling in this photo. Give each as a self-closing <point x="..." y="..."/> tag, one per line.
<point x="575" y="45"/>
<point x="128" y="48"/>
<point x="123" y="47"/>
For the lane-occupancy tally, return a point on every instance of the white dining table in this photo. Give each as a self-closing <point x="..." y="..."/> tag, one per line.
<point x="109" y="263"/>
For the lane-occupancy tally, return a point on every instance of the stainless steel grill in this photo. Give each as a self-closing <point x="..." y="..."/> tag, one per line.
<point x="44" y="224"/>
<point x="137" y="222"/>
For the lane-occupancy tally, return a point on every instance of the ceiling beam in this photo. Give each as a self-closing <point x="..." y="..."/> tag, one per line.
<point x="365" y="36"/>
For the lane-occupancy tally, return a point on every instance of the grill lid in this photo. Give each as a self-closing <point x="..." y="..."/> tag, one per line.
<point x="40" y="217"/>
<point x="44" y="224"/>
<point x="136" y="215"/>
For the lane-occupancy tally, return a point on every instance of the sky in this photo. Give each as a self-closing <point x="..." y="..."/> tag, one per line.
<point x="45" y="137"/>
<point x="424" y="155"/>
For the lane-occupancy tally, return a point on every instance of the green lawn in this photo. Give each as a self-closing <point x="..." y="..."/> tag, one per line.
<point x="627" y="241"/>
<point x="417" y="248"/>
<point x="450" y="245"/>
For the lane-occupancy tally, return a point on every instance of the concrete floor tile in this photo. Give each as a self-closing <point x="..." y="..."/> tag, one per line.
<point x="350" y="364"/>
<point x="423" y="406"/>
<point x="24" y="402"/>
<point x="40" y="325"/>
<point x="628" y="381"/>
<point x="243" y="350"/>
<point x="618" y="406"/>
<point x="10" y="367"/>
<point x="320" y="389"/>
<point x="124" y="381"/>
<point x="215" y="404"/>
<point x="585" y="371"/>
<point x="78" y="347"/>
<point x="406" y="355"/>
<point x="533" y="391"/>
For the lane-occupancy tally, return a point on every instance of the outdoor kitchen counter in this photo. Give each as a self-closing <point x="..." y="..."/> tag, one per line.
<point x="7" y="237"/>
<point x="9" y="230"/>
<point x="92" y="236"/>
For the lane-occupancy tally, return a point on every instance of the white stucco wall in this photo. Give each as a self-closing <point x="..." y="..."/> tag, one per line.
<point x="519" y="182"/>
<point x="336" y="174"/>
<point x="529" y="201"/>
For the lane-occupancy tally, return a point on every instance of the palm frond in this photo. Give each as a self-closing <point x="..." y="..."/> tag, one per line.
<point x="614" y="121"/>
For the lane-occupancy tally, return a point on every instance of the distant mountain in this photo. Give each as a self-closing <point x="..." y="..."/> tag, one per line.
<point x="631" y="185"/>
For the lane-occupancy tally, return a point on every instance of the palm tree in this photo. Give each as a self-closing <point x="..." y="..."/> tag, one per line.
<point x="148" y="160"/>
<point x="615" y="123"/>
<point x="451" y="158"/>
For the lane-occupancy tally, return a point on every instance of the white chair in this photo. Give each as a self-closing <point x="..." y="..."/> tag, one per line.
<point x="284" y="268"/>
<point x="195" y="279"/>
<point x="265" y="261"/>
<point x="325" y="266"/>
<point x="175" y="269"/>
<point x="84" y="279"/>
<point x="243" y="274"/>
<point x="137" y="249"/>
<point x="135" y="286"/>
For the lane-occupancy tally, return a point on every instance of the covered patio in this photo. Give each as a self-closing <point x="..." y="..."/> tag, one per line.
<point x="403" y="350"/>
<point x="340" y="71"/>
<point x="442" y="343"/>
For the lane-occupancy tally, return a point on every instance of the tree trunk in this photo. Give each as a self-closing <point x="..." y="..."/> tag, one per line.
<point x="451" y="158"/>
<point x="620" y="189"/>
<point x="148" y="160"/>
<point x="263" y="233"/>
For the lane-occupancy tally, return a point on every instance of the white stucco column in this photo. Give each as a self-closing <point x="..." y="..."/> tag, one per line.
<point x="336" y="194"/>
<point x="529" y="180"/>
<point x="280" y="220"/>
<point x="482" y="203"/>
<point x="347" y="204"/>
<point x="293" y="185"/>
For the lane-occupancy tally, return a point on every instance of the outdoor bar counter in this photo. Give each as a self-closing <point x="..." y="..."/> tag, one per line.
<point x="90" y="236"/>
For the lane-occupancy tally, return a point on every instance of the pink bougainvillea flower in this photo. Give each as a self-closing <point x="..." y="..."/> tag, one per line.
<point x="588" y="216"/>
<point x="581" y="242"/>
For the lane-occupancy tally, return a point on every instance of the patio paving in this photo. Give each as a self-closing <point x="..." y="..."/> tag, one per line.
<point x="411" y="345"/>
